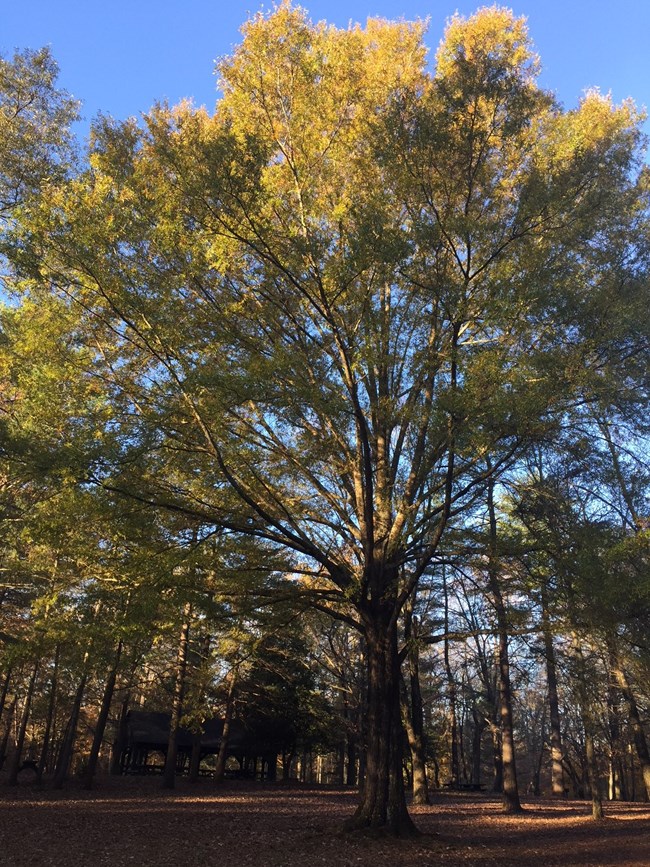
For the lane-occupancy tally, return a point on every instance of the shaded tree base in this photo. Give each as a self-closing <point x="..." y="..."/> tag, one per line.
<point x="361" y="826"/>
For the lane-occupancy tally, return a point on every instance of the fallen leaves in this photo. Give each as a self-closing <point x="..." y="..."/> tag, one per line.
<point x="133" y="821"/>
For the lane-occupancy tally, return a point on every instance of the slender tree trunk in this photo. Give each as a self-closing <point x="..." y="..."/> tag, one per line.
<point x="102" y="719"/>
<point x="616" y="783"/>
<point x="420" y="791"/>
<point x="5" y="690"/>
<point x="69" y="737"/>
<point x="199" y="667"/>
<point x="588" y="726"/>
<point x="22" y="729"/>
<point x="511" y="802"/>
<point x="119" y="744"/>
<point x="222" y="756"/>
<point x="451" y="691"/>
<point x="195" y="757"/>
<point x="169" y="774"/>
<point x="557" y="773"/>
<point x="477" y="739"/>
<point x="638" y="732"/>
<point x="383" y="803"/>
<point x="51" y="708"/>
<point x="7" y="733"/>
<point x="414" y="711"/>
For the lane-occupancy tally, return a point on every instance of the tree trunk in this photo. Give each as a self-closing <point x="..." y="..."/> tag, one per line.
<point x="451" y="692"/>
<point x="67" y="746"/>
<point x="5" y="689"/>
<point x="222" y="756"/>
<point x="382" y="807"/>
<point x="102" y="719"/>
<point x="7" y="733"/>
<point x="640" y="742"/>
<point x="22" y="729"/>
<point x="511" y="802"/>
<point x="588" y="726"/>
<point x="557" y="773"/>
<point x="119" y="744"/>
<point x="414" y="713"/>
<point x="616" y="782"/>
<point x="477" y="738"/>
<point x="51" y="708"/>
<point x="169" y="774"/>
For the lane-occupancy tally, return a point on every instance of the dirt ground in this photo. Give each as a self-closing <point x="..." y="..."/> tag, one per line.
<point x="132" y="821"/>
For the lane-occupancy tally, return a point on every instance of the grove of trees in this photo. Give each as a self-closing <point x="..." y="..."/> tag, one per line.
<point x="328" y="411"/>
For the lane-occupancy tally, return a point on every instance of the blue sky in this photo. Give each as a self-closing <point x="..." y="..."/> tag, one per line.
<point x="120" y="57"/>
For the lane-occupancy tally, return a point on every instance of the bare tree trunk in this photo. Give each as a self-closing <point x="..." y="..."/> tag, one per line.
<point x="222" y="756"/>
<point x="616" y="782"/>
<point x="199" y="669"/>
<point x="22" y="729"/>
<point x="511" y="802"/>
<point x="383" y="802"/>
<point x="477" y="739"/>
<point x="119" y="743"/>
<point x="640" y="742"/>
<point x="5" y="689"/>
<point x="102" y="719"/>
<point x="51" y="708"/>
<point x="451" y="691"/>
<point x="7" y="733"/>
<point x="67" y="746"/>
<point x="557" y="772"/>
<point x="588" y="725"/>
<point x="169" y="774"/>
<point x="413" y="714"/>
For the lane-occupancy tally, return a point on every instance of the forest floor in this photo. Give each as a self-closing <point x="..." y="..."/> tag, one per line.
<point x="132" y="821"/>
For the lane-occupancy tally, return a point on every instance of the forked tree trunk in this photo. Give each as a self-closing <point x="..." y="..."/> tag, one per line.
<point x="22" y="729"/>
<point x="102" y="719"/>
<point x="382" y="807"/>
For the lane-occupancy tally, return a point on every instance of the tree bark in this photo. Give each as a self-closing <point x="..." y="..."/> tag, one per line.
<point x="5" y="689"/>
<point x="413" y="712"/>
<point x="67" y="746"/>
<point x="119" y="743"/>
<point x="511" y="802"/>
<point x="102" y="719"/>
<point x="588" y="726"/>
<point x="22" y="729"/>
<point x="638" y="733"/>
<point x="382" y="807"/>
<point x="451" y="691"/>
<point x="222" y="756"/>
<point x="7" y="733"/>
<point x="169" y="774"/>
<point x="51" y="708"/>
<point x="557" y="772"/>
